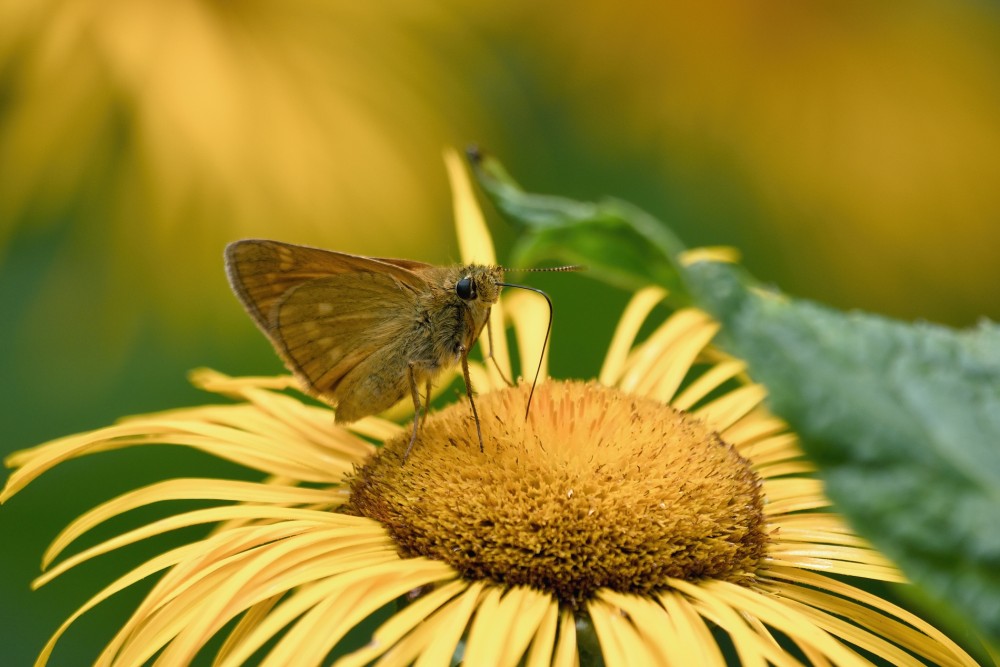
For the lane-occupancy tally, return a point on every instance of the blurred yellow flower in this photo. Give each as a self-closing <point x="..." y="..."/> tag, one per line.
<point x="631" y="516"/>
<point x="138" y="137"/>
<point x="160" y="130"/>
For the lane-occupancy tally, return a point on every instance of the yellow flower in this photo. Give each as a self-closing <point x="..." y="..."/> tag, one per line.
<point x="637" y="517"/>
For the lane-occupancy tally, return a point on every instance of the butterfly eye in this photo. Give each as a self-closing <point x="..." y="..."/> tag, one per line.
<point x="466" y="289"/>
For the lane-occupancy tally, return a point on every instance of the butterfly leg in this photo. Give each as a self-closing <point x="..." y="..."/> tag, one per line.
<point x="468" y="389"/>
<point x="416" y="407"/>
<point x="489" y="353"/>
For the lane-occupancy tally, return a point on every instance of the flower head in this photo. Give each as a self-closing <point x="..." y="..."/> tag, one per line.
<point x="596" y="489"/>
<point x="651" y="509"/>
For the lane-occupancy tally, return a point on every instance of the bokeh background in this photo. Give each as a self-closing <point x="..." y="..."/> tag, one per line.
<point x="851" y="150"/>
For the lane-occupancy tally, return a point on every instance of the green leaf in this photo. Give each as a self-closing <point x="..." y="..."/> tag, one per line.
<point x="903" y="419"/>
<point x="610" y="237"/>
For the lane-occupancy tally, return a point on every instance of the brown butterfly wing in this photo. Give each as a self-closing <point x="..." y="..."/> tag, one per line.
<point x="261" y="272"/>
<point x="325" y="328"/>
<point x="327" y="313"/>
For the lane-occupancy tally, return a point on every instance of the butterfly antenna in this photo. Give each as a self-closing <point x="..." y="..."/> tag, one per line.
<point x="545" y="342"/>
<point x="545" y="269"/>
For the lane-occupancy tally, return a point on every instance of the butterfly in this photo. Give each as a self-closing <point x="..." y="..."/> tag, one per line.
<point x="360" y="333"/>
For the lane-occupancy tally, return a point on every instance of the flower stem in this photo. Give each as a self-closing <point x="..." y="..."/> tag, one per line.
<point x="587" y="643"/>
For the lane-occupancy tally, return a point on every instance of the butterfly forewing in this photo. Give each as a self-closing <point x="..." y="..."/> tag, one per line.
<point x="326" y="327"/>
<point x="261" y="272"/>
<point x="326" y="312"/>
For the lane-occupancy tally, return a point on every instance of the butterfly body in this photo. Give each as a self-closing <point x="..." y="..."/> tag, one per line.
<point x="361" y="333"/>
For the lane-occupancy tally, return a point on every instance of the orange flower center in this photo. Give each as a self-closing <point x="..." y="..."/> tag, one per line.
<point x="596" y="489"/>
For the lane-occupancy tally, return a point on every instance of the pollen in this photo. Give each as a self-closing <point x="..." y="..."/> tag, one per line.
<point x="596" y="489"/>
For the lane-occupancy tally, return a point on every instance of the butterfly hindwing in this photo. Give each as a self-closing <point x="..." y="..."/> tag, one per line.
<point x="327" y="327"/>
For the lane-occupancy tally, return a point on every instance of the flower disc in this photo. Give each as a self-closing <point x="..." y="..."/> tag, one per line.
<point x="596" y="489"/>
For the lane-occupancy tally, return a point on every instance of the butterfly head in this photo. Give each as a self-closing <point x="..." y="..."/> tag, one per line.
<point x="480" y="283"/>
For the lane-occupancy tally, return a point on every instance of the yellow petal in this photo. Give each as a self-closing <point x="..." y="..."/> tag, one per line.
<point x="762" y="427"/>
<point x="794" y="494"/>
<point x="784" y="468"/>
<point x="379" y="583"/>
<point x="566" y="652"/>
<point x="414" y="615"/>
<point x="706" y="383"/>
<point x="210" y="515"/>
<point x="375" y="596"/>
<point x="613" y="629"/>
<point x="157" y="564"/>
<point x="772" y="613"/>
<point x="482" y="381"/>
<point x="253" y="616"/>
<point x="678" y="361"/>
<point x="476" y="246"/>
<point x="442" y="642"/>
<point x="208" y="593"/>
<point x="530" y="607"/>
<point x="503" y="626"/>
<point x="540" y="654"/>
<point x="731" y="407"/>
<point x="777" y="449"/>
<point x="655" y="627"/>
<point x="201" y="558"/>
<point x="690" y="626"/>
<point x="530" y="315"/>
<point x="753" y="643"/>
<point x="932" y="642"/>
<point x="474" y="241"/>
<point x="641" y="365"/>
<point x="860" y="637"/>
<point x="486" y="634"/>
<point x="635" y="314"/>
<point x="189" y="489"/>
<point x="726" y="254"/>
<point x="307" y="642"/>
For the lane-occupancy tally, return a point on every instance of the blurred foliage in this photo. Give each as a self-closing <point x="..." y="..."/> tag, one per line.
<point x="849" y="149"/>
<point x="863" y="136"/>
